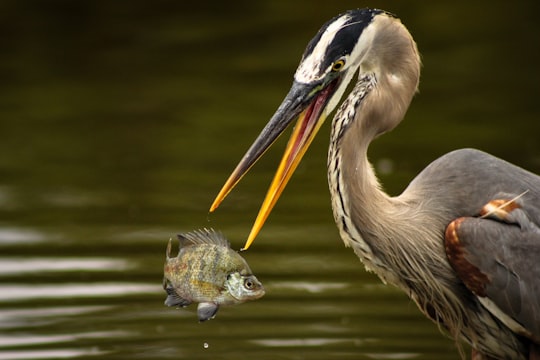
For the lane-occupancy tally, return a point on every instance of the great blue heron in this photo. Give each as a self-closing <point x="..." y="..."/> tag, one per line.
<point x="463" y="240"/>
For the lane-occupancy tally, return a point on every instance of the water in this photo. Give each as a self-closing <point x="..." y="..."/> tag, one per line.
<point x="120" y="122"/>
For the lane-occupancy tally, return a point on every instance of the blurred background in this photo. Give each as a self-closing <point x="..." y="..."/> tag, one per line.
<point x="120" y="121"/>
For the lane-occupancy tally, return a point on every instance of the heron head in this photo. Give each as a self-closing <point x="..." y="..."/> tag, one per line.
<point x="328" y="65"/>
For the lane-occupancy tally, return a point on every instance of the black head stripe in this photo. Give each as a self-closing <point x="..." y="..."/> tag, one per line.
<point x="347" y="37"/>
<point x="313" y="42"/>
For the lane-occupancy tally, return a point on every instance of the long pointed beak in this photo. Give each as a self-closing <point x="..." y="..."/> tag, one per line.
<point x="305" y="101"/>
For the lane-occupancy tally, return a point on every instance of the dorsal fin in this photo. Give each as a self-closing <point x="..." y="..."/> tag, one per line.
<point x="169" y="246"/>
<point x="203" y="236"/>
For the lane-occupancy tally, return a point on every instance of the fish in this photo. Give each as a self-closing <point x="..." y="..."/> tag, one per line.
<point x="209" y="272"/>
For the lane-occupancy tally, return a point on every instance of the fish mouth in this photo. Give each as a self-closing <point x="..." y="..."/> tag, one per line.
<point x="307" y="102"/>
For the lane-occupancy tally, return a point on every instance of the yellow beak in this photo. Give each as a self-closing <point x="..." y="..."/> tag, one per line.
<point x="309" y="102"/>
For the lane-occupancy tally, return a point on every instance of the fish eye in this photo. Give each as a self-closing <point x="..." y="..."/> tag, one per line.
<point x="229" y="276"/>
<point x="338" y="65"/>
<point x="249" y="284"/>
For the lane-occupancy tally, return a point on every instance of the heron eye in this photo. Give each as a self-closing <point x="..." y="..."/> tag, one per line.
<point x="249" y="284"/>
<point x="338" y="65"/>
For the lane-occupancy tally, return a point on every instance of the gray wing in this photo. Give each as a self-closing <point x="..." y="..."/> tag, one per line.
<point x="497" y="256"/>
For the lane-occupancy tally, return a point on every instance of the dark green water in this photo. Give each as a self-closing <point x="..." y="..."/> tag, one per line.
<point x="120" y="121"/>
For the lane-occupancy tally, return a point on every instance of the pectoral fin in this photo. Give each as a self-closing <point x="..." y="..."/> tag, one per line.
<point x="207" y="311"/>
<point x="173" y="299"/>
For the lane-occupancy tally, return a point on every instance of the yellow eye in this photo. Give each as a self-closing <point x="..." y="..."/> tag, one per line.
<point x="338" y="65"/>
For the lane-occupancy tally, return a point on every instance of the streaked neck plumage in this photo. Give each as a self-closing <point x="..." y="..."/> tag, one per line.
<point x="378" y="102"/>
<point x="381" y="229"/>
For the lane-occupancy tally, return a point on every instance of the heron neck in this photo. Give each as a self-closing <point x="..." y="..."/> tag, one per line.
<point x="389" y="234"/>
<point x="378" y="227"/>
<point x="381" y="229"/>
<point x="356" y="198"/>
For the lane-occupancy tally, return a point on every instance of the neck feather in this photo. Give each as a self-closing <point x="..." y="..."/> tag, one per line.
<point x="389" y="70"/>
<point x="389" y="234"/>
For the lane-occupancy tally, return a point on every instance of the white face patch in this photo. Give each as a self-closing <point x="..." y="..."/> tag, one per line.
<point x="357" y="61"/>
<point x="309" y="70"/>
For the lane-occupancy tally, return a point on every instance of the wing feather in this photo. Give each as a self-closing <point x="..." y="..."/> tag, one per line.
<point x="500" y="263"/>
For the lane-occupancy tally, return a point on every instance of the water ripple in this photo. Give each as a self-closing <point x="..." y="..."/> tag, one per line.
<point x="49" y="354"/>
<point x="30" y="340"/>
<point x="19" y="236"/>
<point x="302" y="342"/>
<point x="14" y="318"/>
<point x="58" y="291"/>
<point x="13" y="265"/>
<point x="312" y="287"/>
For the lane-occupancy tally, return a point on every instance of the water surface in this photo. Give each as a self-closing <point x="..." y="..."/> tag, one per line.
<point x="121" y="121"/>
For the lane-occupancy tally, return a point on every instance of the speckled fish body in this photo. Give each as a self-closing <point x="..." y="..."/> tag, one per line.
<point x="207" y="271"/>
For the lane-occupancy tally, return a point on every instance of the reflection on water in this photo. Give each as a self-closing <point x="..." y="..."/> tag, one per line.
<point x="59" y="353"/>
<point x="120" y="123"/>
<point x="51" y="291"/>
<point x="18" y="236"/>
<point x="19" y="317"/>
<point x="303" y="342"/>
<point x="27" y="328"/>
<point x="309" y="287"/>
<point x="35" y="340"/>
<point x="28" y="265"/>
